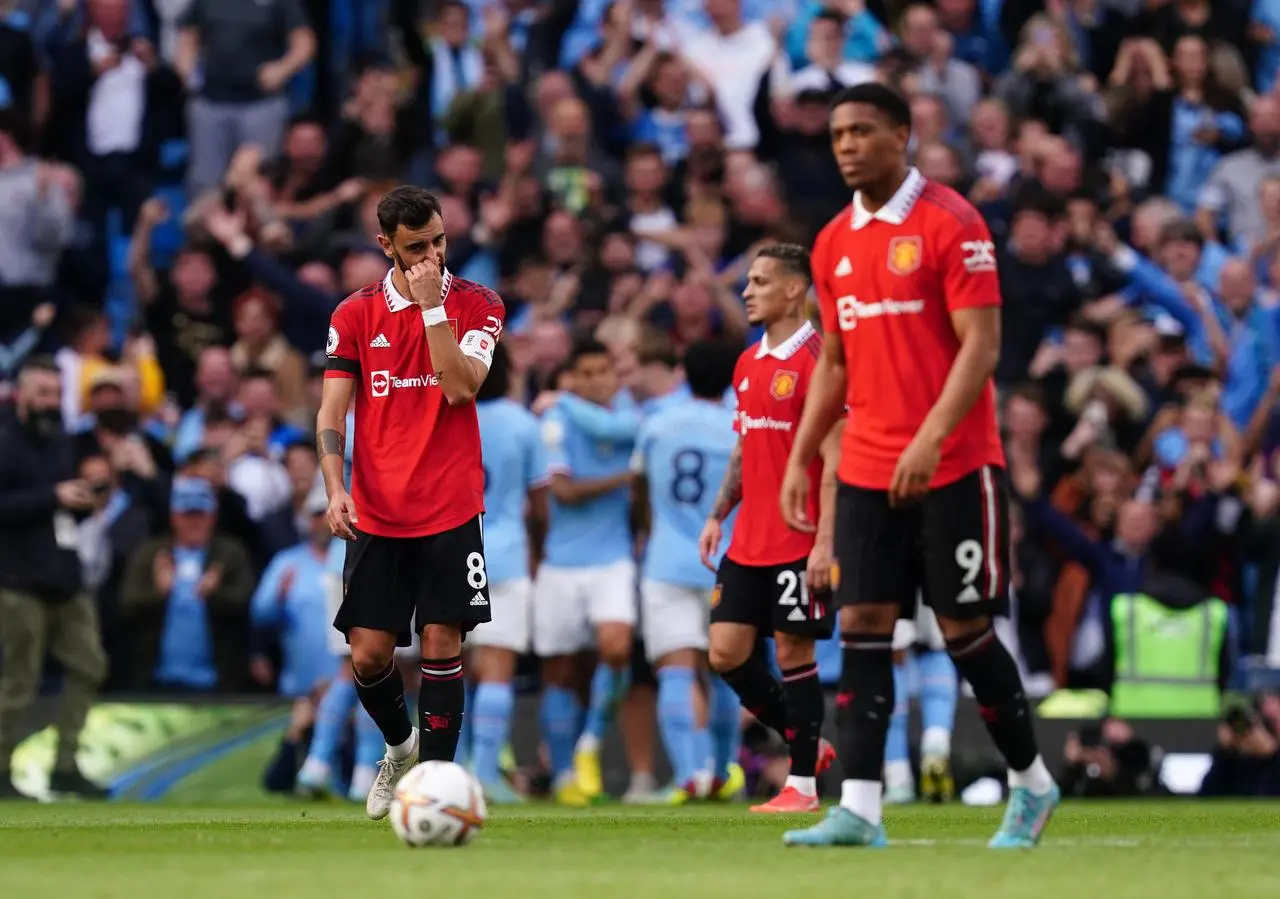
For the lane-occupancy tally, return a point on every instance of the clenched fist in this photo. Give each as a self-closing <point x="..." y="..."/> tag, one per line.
<point x="425" y="280"/>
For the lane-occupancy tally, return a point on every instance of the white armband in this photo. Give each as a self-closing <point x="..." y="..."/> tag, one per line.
<point x="434" y="316"/>
<point x="479" y="345"/>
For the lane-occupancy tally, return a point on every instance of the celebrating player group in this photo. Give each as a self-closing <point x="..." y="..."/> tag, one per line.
<point x="860" y="473"/>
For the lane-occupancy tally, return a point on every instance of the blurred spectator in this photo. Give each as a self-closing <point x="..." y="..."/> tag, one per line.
<point x="116" y="525"/>
<point x="291" y="523"/>
<point x="186" y="600"/>
<point x="1108" y="760"/>
<point x="37" y="207"/>
<point x="239" y="55"/>
<point x="260" y="346"/>
<point x="290" y="609"/>
<point x="114" y="104"/>
<point x="1246" y="761"/>
<point x="43" y="600"/>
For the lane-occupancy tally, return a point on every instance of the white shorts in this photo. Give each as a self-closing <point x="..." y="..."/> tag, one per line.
<point x="509" y="605"/>
<point x="673" y="617"/>
<point x="922" y="630"/>
<point x="569" y="603"/>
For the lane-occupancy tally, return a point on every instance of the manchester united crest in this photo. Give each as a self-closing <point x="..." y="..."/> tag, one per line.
<point x="715" y="595"/>
<point x="784" y="384"/>
<point x="904" y="254"/>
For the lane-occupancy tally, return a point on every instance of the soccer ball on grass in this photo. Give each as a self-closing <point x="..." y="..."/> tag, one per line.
<point x="437" y="804"/>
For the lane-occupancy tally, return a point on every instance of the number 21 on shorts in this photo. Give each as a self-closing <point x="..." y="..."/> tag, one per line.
<point x="793" y="591"/>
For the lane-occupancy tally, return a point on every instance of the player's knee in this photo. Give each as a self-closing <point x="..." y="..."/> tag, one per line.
<point x="441" y="641"/>
<point x="956" y="631"/>
<point x="872" y="619"/>
<point x="793" y="652"/>
<point x="371" y="658"/>
<point x="727" y="657"/>
<point x="613" y="644"/>
<point x="559" y="671"/>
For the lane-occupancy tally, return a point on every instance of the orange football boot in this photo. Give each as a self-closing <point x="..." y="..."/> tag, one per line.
<point x="789" y="802"/>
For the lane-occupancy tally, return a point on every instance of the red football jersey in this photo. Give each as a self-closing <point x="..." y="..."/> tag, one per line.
<point x="415" y="466"/>
<point x="771" y="385"/>
<point x="887" y="283"/>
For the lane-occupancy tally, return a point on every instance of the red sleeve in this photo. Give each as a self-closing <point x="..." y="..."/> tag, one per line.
<point x="483" y="327"/>
<point x="822" y="284"/>
<point x="968" y="260"/>
<point x="343" y="346"/>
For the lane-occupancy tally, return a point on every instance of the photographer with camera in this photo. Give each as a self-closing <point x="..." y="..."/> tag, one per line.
<point x="1247" y="759"/>
<point x="1107" y="760"/>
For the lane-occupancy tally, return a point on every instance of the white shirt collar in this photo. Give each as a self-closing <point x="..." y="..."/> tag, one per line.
<point x="396" y="301"/>
<point x="895" y="211"/>
<point x="788" y="347"/>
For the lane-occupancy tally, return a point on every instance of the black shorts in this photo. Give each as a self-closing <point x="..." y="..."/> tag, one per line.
<point x="401" y="584"/>
<point x="952" y="546"/>
<point x="772" y="599"/>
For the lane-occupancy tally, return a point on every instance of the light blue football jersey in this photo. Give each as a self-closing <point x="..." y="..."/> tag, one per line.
<point x="596" y="532"/>
<point x="683" y="451"/>
<point x="515" y="462"/>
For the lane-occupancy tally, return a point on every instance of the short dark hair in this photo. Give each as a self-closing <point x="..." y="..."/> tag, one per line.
<point x="41" y="362"/>
<point x="586" y="346"/>
<point x="792" y="258"/>
<point x="708" y="368"/>
<point x="656" y="346"/>
<point x="1078" y="321"/>
<point x="254" y="373"/>
<point x="497" y="383"/>
<point x="827" y="14"/>
<point x="406" y="205"/>
<point x="1181" y="231"/>
<point x="199" y="457"/>
<point x="643" y="148"/>
<point x="80" y="319"/>
<point x="888" y="101"/>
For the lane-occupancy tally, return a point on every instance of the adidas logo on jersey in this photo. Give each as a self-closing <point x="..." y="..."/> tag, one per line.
<point x="479" y="600"/>
<point x="844" y="267"/>
<point x="380" y="342"/>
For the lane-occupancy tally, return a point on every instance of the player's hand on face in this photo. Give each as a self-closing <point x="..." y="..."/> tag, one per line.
<point x="341" y="515"/>
<point x="818" y="571"/>
<point x="915" y="470"/>
<point x="795" y="500"/>
<point x="425" y="280"/>
<point x="709" y="543"/>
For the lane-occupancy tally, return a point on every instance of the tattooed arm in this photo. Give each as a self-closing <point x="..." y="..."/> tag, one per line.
<point x="731" y="489"/>
<point x="726" y="501"/>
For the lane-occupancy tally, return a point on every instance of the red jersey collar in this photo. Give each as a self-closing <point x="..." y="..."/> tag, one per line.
<point x="895" y="211"/>
<point x="788" y="347"/>
<point x="396" y="302"/>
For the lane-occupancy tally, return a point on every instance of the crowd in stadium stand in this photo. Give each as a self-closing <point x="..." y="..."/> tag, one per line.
<point x="187" y="189"/>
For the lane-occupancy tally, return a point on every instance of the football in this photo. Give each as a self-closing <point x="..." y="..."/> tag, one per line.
<point x="437" y="804"/>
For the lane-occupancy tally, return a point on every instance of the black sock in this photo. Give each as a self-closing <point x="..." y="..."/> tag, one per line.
<point x="440" y="700"/>
<point x="760" y="692"/>
<point x="804" y="717"/>
<point x="986" y="664"/>
<point x="864" y="703"/>
<point x="383" y="698"/>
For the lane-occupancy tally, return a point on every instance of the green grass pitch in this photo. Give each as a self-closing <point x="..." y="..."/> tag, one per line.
<point x="281" y="850"/>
